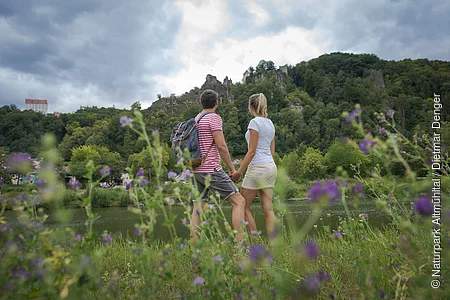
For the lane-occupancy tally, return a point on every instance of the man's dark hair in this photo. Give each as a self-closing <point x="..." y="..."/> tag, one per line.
<point x="208" y="99"/>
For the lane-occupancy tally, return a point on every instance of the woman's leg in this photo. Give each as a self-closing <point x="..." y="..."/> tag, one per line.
<point x="249" y="195"/>
<point x="265" y="196"/>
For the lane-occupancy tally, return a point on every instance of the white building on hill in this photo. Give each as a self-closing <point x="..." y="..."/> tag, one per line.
<point x="37" y="105"/>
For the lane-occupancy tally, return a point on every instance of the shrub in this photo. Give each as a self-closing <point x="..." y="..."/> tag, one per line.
<point x="291" y="162"/>
<point x="312" y="164"/>
<point x="345" y="155"/>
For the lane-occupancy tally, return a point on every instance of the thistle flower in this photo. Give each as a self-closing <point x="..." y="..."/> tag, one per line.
<point x="74" y="184"/>
<point x="324" y="191"/>
<point x="107" y="240"/>
<point x="366" y="145"/>
<point x="126" y="121"/>
<point x="424" y="206"/>
<point x="78" y="237"/>
<point x="337" y="234"/>
<point x="389" y="113"/>
<point x="140" y="173"/>
<point x="171" y="175"/>
<point x="259" y="254"/>
<point x="105" y="171"/>
<point x="312" y="250"/>
<point x="198" y="281"/>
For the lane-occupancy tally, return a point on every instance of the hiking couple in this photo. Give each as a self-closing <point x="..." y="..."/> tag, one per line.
<point x="261" y="169"/>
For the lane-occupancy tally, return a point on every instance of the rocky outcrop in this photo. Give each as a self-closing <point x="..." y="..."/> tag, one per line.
<point x="375" y="77"/>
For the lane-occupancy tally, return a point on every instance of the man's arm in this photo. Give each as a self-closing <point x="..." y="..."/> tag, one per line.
<point x="219" y="139"/>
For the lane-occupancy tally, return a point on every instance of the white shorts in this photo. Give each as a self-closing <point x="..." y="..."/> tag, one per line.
<point x="260" y="176"/>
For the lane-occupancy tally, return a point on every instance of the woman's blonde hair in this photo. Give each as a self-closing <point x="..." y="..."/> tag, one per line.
<point x="258" y="103"/>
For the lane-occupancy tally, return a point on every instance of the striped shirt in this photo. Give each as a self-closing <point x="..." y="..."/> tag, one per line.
<point x="206" y="126"/>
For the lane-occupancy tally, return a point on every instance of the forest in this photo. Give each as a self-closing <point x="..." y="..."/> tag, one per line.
<point x="307" y="103"/>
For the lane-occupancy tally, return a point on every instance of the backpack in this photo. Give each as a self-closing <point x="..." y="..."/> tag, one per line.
<point x="185" y="136"/>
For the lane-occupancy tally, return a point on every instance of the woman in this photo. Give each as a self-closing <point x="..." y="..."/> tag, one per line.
<point x="262" y="171"/>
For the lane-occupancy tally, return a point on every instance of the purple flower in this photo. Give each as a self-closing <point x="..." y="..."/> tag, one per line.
<point x="171" y="175"/>
<point x="353" y="115"/>
<point x="165" y="252"/>
<point x="18" y="162"/>
<point x="105" y="171"/>
<point x="74" y="184"/>
<point x="389" y="113"/>
<point x="78" y="237"/>
<point x="382" y="131"/>
<point x="366" y="145"/>
<point x="20" y="273"/>
<point x="144" y="181"/>
<point x="137" y="231"/>
<point x="107" y="240"/>
<point x="324" y="191"/>
<point x="140" y="173"/>
<point x="323" y="276"/>
<point x="337" y="234"/>
<point x="382" y="294"/>
<point x="186" y="174"/>
<point x="182" y="246"/>
<point x="126" y="121"/>
<point x="358" y="189"/>
<point x="424" y="206"/>
<point x="138" y="251"/>
<point x="207" y="293"/>
<point x="259" y="254"/>
<point x="1" y="180"/>
<point x="312" y="250"/>
<point x="129" y="186"/>
<point x="198" y="281"/>
<point x="185" y="222"/>
<point x="256" y="232"/>
<point x="218" y="258"/>
<point x="309" y="286"/>
<point x="211" y="206"/>
<point x="41" y="183"/>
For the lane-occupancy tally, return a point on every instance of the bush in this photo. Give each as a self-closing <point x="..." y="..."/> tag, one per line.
<point x="312" y="164"/>
<point x="345" y="155"/>
<point x="291" y="162"/>
<point x="110" y="197"/>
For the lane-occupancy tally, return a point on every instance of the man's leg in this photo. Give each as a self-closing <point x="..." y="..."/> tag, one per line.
<point x="196" y="221"/>
<point x="237" y="215"/>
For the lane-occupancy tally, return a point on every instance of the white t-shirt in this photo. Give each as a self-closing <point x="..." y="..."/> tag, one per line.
<point x="266" y="134"/>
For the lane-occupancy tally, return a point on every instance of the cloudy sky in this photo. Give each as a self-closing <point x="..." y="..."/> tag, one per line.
<point x="116" y="52"/>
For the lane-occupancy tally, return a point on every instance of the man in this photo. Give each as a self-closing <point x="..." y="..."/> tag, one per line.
<point x="211" y="139"/>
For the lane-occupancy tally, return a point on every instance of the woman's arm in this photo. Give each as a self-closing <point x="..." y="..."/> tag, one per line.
<point x="250" y="154"/>
<point x="272" y="148"/>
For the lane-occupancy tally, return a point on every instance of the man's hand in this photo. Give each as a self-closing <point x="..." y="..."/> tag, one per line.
<point x="236" y="176"/>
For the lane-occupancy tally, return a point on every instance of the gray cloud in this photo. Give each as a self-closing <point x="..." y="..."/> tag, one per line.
<point x="104" y="50"/>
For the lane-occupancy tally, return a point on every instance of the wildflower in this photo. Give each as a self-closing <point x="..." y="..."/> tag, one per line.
<point x="308" y="287"/>
<point x="140" y="173"/>
<point x="198" y="281"/>
<point x="337" y="234"/>
<point x="320" y="191"/>
<point x="259" y="254"/>
<point x="382" y="294"/>
<point x="389" y="113"/>
<point x="107" y="240"/>
<point x="211" y="206"/>
<point x="424" y="206"/>
<point x="78" y="237"/>
<point x="256" y="232"/>
<point x="366" y="145"/>
<point x="353" y="115"/>
<point x="41" y="183"/>
<point x="207" y="293"/>
<point x="137" y="231"/>
<point x="20" y="273"/>
<point x="382" y="131"/>
<point x="217" y="258"/>
<point x="182" y="246"/>
<point x="170" y="201"/>
<point x="1" y="180"/>
<point x="138" y="251"/>
<point x="389" y="196"/>
<point x="105" y="171"/>
<point x="129" y="186"/>
<point x="312" y="250"/>
<point x="18" y="162"/>
<point x="323" y="276"/>
<point x="74" y="184"/>
<point x="187" y="173"/>
<point x="143" y="182"/>
<point x="357" y="188"/>
<point x="344" y="139"/>
<point x="185" y="222"/>
<point x="126" y="121"/>
<point x="165" y="252"/>
<point x="171" y="175"/>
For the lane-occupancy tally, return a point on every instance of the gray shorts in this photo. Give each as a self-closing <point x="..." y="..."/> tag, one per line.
<point x="220" y="183"/>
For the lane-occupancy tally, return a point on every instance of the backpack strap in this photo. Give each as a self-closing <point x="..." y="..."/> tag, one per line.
<point x="204" y="114"/>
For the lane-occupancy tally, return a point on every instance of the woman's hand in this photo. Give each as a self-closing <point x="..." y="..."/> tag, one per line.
<point x="236" y="176"/>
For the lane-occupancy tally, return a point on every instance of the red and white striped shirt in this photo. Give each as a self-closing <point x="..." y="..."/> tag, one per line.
<point x="207" y="125"/>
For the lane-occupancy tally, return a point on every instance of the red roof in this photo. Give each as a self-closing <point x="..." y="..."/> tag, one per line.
<point x="35" y="101"/>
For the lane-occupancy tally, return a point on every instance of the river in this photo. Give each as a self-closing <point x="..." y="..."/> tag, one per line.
<point x="121" y="220"/>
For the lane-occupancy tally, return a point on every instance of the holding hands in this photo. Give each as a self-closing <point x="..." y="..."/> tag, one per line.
<point x="235" y="176"/>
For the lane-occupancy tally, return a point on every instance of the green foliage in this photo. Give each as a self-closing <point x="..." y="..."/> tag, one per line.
<point x="344" y="155"/>
<point x="312" y="164"/>
<point x="100" y="156"/>
<point x="291" y="163"/>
